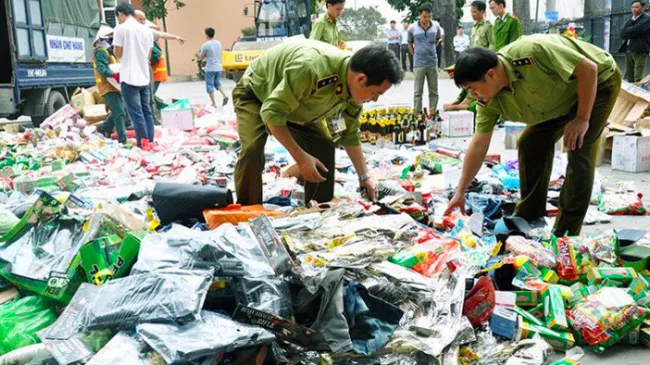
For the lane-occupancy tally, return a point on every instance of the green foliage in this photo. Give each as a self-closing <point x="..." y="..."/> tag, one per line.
<point x="364" y="23"/>
<point x="248" y="31"/>
<point x="157" y="9"/>
<point x="315" y="5"/>
<point x="413" y="7"/>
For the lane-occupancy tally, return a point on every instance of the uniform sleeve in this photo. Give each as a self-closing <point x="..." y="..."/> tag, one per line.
<point x="557" y="58"/>
<point x="515" y="30"/>
<point x="486" y="119"/>
<point x="297" y="82"/>
<point x="101" y="61"/>
<point x="317" y="31"/>
<point x="350" y="137"/>
<point x="118" y="37"/>
<point x="490" y="36"/>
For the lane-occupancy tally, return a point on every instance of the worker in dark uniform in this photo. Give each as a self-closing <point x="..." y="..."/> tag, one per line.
<point x="288" y="92"/>
<point x="556" y="85"/>
<point x="102" y="57"/>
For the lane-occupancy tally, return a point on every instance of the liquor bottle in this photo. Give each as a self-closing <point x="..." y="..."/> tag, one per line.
<point x="423" y="131"/>
<point x="397" y="133"/>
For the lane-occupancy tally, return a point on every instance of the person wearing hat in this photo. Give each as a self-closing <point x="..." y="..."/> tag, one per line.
<point x="102" y="58"/>
<point x="558" y="86"/>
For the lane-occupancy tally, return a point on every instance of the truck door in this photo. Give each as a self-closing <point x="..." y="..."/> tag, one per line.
<point x="6" y="68"/>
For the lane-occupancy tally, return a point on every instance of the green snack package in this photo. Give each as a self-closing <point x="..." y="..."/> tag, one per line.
<point x="109" y="258"/>
<point x="622" y="274"/>
<point x="538" y="311"/>
<point x="21" y="319"/>
<point x="554" y="314"/>
<point x="528" y="317"/>
<point x="527" y="298"/>
<point x="560" y="341"/>
<point x="550" y="276"/>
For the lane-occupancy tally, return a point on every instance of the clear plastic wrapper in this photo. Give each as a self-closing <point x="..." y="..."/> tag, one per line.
<point x="172" y="296"/>
<point x="126" y="348"/>
<point x="268" y="294"/>
<point x="36" y="353"/>
<point x="621" y="203"/>
<point x="212" y="334"/>
<point x="533" y="351"/>
<point x="604" y="247"/>
<point x="538" y="254"/>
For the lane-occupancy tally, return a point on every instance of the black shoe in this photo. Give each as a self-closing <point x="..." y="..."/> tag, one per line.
<point x="225" y="101"/>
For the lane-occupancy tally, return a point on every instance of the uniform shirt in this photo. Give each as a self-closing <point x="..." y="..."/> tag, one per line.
<point x="424" y="43"/>
<point x="541" y="82"/>
<point x="405" y="37"/>
<point x="507" y="29"/>
<point x="136" y="41"/>
<point x="324" y="29"/>
<point x="211" y="50"/>
<point x="461" y="42"/>
<point x="393" y="33"/>
<point x="481" y="35"/>
<point x="304" y="82"/>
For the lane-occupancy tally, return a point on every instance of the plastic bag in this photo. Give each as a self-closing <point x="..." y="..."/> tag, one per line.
<point x="126" y="348"/>
<point x="605" y="317"/>
<point x="7" y="221"/>
<point x="627" y="203"/>
<point x="605" y="247"/>
<point x="567" y="267"/>
<point x="212" y="334"/>
<point x="21" y="319"/>
<point x="538" y="254"/>
<point x="534" y="351"/>
<point x="26" y="355"/>
<point x="268" y="294"/>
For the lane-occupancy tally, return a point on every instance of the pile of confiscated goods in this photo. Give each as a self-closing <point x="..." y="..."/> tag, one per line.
<point x="114" y="255"/>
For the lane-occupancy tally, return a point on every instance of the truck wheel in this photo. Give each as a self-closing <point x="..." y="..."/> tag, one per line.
<point x="55" y="101"/>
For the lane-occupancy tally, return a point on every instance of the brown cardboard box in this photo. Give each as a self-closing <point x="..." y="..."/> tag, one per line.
<point x="95" y="113"/>
<point x="81" y="98"/>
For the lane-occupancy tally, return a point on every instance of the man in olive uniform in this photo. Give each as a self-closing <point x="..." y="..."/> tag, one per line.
<point x="102" y="57"/>
<point x="324" y="28"/>
<point x="288" y="92"/>
<point x="558" y="86"/>
<point x="507" y="27"/>
<point x="481" y="34"/>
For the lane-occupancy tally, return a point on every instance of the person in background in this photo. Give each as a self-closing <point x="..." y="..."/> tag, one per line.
<point x="461" y="41"/>
<point x="102" y="58"/>
<point x="482" y="33"/>
<point x="211" y="53"/>
<point x="558" y="86"/>
<point x="406" y="55"/>
<point x="324" y="28"/>
<point x="394" y="38"/>
<point x="439" y="43"/>
<point x="507" y="27"/>
<point x="423" y="37"/>
<point x="636" y="42"/>
<point x="133" y="43"/>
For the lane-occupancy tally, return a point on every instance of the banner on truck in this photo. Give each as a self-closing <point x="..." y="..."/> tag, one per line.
<point x="66" y="49"/>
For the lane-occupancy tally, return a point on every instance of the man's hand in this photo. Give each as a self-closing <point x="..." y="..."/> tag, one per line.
<point x="309" y="166"/>
<point x="369" y="187"/>
<point x="180" y="40"/>
<point x="458" y="201"/>
<point x="574" y="133"/>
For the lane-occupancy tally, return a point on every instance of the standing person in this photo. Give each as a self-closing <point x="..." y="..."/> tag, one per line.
<point x="394" y="38"/>
<point x="482" y="33"/>
<point x="133" y="44"/>
<point x="324" y="28"/>
<point x="423" y="37"/>
<point x="507" y="27"/>
<point x="211" y="53"/>
<point x="405" y="48"/>
<point x="102" y="58"/>
<point x="636" y="42"/>
<point x="461" y="41"/>
<point x="288" y="91"/>
<point x="558" y="86"/>
<point x="439" y="43"/>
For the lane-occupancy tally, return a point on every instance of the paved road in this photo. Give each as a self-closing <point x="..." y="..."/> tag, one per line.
<point x="403" y="94"/>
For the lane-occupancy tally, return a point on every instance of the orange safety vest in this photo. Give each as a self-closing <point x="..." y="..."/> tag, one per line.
<point x="102" y="84"/>
<point x="160" y="70"/>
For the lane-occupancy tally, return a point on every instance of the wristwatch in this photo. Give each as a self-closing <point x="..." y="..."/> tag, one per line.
<point x="363" y="177"/>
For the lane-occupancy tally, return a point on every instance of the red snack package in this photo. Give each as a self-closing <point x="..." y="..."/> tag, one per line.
<point x="567" y="268"/>
<point x="480" y="301"/>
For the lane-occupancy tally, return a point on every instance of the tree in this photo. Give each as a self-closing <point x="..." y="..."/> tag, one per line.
<point x="364" y="23"/>
<point x="248" y="31"/>
<point x="521" y="9"/>
<point x="157" y="9"/>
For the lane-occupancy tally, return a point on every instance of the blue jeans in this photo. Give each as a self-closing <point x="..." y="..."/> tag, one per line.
<point x="137" y="99"/>
<point x="212" y="81"/>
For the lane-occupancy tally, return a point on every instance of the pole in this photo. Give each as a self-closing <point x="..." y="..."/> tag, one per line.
<point x="169" y="70"/>
<point x="536" y="17"/>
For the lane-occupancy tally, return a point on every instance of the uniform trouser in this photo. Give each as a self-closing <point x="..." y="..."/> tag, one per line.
<point x="431" y="74"/>
<point x="117" y="118"/>
<point x="536" y="152"/>
<point x="395" y="48"/>
<point x="313" y="138"/>
<point x="406" y="55"/>
<point x="160" y="104"/>
<point x="635" y="66"/>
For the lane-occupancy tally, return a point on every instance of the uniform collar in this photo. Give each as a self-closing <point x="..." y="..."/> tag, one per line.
<point x="503" y="18"/>
<point x="513" y="75"/>
<point x="329" y="19"/>
<point x="343" y="78"/>
<point x="481" y="22"/>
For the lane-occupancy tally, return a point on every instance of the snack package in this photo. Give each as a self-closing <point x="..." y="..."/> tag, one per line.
<point x="604" y="247"/>
<point x="620" y="274"/>
<point x="538" y="254"/>
<point x="606" y="316"/>
<point x="567" y="268"/>
<point x="554" y="309"/>
<point x="560" y="341"/>
<point x="615" y="203"/>
<point x="534" y="351"/>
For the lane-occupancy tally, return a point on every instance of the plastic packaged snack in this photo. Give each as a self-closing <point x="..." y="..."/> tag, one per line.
<point x="538" y="254"/>
<point x="567" y="267"/>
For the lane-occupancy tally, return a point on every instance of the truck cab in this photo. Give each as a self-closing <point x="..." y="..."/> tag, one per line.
<point x="46" y="54"/>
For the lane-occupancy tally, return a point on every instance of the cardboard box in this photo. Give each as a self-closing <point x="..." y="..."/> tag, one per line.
<point x="560" y="341"/>
<point x="631" y="153"/>
<point x="457" y="124"/>
<point x="644" y="337"/>
<point x="95" y="113"/>
<point x="623" y="274"/>
<point x="554" y="311"/>
<point x="179" y="115"/>
<point x="81" y="98"/>
<point x="504" y="322"/>
<point x="630" y="106"/>
<point x="527" y="298"/>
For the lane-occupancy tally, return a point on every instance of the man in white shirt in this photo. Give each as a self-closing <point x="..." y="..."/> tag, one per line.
<point x="133" y="44"/>
<point x="461" y="41"/>
<point x="405" y="47"/>
<point x="394" y="36"/>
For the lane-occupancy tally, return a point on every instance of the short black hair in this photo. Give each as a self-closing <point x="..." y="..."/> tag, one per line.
<point x="499" y="2"/>
<point x="378" y="63"/>
<point x="479" y="5"/>
<point x="393" y="22"/>
<point x="209" y="31"/>
<point x="640" y="3"/>
<point x="125" y="8"/>
<point x="461" y="27"/>
<point x="426" y="8"/>
<point x="473" y="64"/>
<point x="334" y="2"/>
